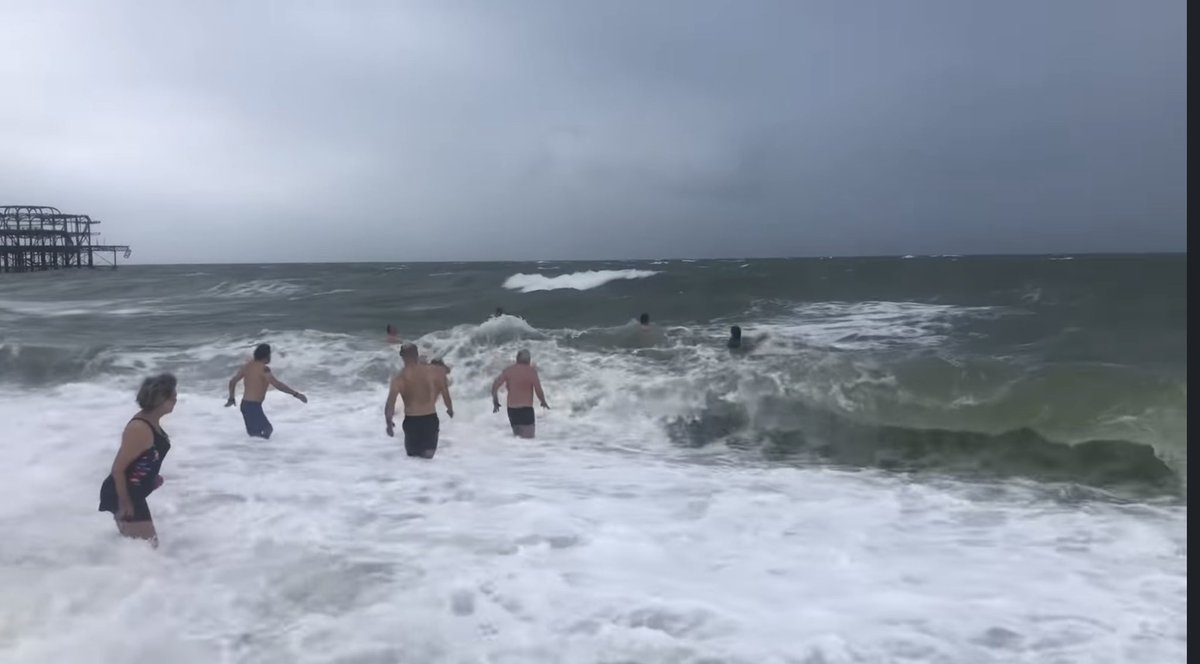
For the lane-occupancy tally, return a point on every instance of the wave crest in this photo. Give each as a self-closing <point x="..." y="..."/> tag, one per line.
<point x="581" y="281"/>
<point x="794" y="429"/>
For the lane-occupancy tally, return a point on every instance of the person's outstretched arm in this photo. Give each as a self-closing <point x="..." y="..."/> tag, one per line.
<point x="279" y="385"/>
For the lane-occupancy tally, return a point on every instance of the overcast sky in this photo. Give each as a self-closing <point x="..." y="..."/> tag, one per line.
<point x="292" y="131"/>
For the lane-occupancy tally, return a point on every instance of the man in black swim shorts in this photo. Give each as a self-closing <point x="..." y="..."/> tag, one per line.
<point x="419" y="385"/>
<point x="523" y="382"/>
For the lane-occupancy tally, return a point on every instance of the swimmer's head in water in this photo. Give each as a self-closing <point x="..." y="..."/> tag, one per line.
<point x="410" y="354"/>
<point x="263" y="353"/>
<point x="644" y="319"/>
<point x="391" y="329"/>
<point x="735" y="332"/>
<point x="438" y="362"/>
<point x="157" y="393"/>
<point x="523" y="356"/>
<point x="499" y="311"/>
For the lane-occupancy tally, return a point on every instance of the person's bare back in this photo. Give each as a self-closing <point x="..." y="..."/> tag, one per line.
<point x="256" y="378"/>
<point x="520" y="381"/>
<point x="523" y="383"/>
<point x="419" y="385"/>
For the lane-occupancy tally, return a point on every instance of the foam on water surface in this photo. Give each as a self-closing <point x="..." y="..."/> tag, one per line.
<point x="681" y="503"/>
<point x="530" y="283"/>
<point x="592" y="544"/>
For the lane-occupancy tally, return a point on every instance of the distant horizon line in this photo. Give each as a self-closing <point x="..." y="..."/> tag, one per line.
<point x="1097" y="254"/>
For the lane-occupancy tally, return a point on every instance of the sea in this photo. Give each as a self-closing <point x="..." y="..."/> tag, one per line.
<point x="943" y="459"/>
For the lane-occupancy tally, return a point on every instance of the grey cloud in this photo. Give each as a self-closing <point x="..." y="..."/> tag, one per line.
<point x="248" y="132"/>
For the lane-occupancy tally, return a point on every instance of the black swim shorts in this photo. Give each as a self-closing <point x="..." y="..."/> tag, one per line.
<point x="521" y="417"/>
<point x="421" y="435"/>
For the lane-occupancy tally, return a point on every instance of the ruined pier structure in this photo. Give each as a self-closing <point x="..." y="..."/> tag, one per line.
<point x="35" y="237"/>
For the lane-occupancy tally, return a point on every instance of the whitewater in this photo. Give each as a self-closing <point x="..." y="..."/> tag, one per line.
<point x="644" y="524"/>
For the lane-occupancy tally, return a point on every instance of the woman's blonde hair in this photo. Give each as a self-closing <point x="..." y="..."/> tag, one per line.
<point x="155" y="391"/>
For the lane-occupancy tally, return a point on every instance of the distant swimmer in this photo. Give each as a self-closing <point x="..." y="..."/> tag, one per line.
<point x="393" y="337"/>
<point x="522" y="381"/>
<point x="258" y="376"/>
<point x="735" y="338"/>
<point x="647" y="333"/>
<point x="499" y="313"/>
<point x="144" y="445"/>
<point x="419" y="385"/>
<point x="737" y="343"/>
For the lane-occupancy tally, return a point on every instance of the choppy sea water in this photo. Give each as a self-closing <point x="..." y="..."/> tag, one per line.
<point x="931" y="460"/>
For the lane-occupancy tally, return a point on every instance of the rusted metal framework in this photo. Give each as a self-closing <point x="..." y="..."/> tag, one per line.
<point x="36" y="237"/>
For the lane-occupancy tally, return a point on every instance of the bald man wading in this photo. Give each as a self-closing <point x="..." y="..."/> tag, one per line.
<point x="522" y="381"/>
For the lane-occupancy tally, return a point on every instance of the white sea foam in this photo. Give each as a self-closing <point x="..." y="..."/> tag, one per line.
<point x="529" y="283"/>
<point x="859" y="325"/>
<point x="65" y="308"/>
<point x="598" y="542"/>
<point x="255" y="288"/>
<point x="591" y="544"/>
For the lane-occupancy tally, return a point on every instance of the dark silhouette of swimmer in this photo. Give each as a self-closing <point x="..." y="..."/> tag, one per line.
<point x="646" y="333"/>
<point x="393" y="337"/>
<point x="499" y="313"/>
<point x="737" y="344"/>
<point x="735" y="337"/>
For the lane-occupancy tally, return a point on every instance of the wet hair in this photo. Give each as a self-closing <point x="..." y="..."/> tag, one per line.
<point x="644" y="319"/>
<point x="155" y="391"/>
<point x="735" y="332"/>
<point x="410" y="352"/>
<point x="523" y="356"/>
<point x="262" y="352"/>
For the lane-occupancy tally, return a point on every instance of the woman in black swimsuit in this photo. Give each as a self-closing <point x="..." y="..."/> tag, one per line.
<point x="143" y="446"/>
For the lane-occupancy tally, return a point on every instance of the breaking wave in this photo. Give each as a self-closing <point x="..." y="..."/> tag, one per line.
<point x="801" y="432"/>
<point x="530" y="283"/>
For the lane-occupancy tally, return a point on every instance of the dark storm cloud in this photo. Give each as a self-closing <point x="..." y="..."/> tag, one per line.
<point x="370" y="131"/>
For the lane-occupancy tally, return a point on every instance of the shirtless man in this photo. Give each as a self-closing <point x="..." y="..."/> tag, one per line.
<point x="419" y="385"/>
<point x="522" y="381"/>
<point x="393" y="337"/>
<point x="258" y="376"/>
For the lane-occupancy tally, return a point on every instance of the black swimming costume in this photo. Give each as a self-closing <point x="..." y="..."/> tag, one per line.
<point x="257" y="424"/>
<point x="421" y="434"/>
<point x="521" y="417"/>
<point x="141" y="478"/>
